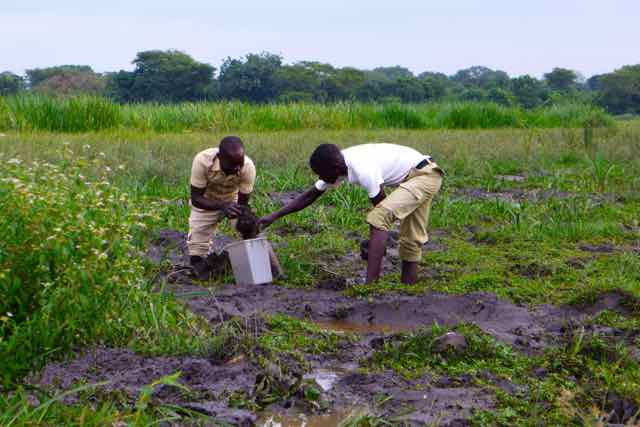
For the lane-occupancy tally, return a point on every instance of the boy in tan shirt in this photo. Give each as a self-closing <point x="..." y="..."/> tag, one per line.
<point x="222" y="180"/>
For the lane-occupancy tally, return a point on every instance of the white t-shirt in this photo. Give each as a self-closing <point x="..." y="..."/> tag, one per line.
<point x="373" y="165"/>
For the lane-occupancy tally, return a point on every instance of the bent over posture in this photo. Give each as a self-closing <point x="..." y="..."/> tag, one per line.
<point x="222" y="180"/>
<point x="375" y="166"/>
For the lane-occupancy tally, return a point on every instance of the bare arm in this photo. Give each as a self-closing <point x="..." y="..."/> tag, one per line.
<point x="299" y="203"/>
<point x="199" y="201"/>
<point x="243" y="199"/>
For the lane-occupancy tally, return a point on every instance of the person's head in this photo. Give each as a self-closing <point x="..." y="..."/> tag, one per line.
<point x="328" y="162"/>
<point x="231" y="155"/>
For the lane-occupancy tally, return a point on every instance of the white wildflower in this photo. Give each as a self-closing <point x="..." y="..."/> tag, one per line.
<point x="14" y="161"/>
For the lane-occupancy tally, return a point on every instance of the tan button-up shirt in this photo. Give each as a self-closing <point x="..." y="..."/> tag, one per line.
<point x="206" y="173"/>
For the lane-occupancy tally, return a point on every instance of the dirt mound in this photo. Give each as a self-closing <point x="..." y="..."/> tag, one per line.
<point x="527" y="330"/>
<point x="285" y="197"/>
<point x="128" y="373"/>
<point x="415" y="402"/>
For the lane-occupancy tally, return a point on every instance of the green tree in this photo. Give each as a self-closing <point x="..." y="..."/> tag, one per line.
<point x="162" y="76"/>
<point x="529" y="91"/>
<point x="474" y="94"/>
<point x="481" y="77"/>
<point x="252" y="78"/>
<point x="562" y="79"/>
<point x="10" y="83"/>
<point x="501" y="96"/>
<point x="298" y="82"/>
<point x="343" y="84"/>
<point x="594" y="83"/>
<point x="38" y="75"/>
<point x="394" y="73"/>
<point x="409" y="89"/>
<point x="435" y="85"/>
<point x="72" y="83"/>
<point x="376" y="87"/>
<point x="620" y="90"/>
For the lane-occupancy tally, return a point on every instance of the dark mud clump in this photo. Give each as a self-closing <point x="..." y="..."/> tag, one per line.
<point x="414" y="402"/>
<point x="247" y="224"/>
<point x="126" y="372"/>
<point x="285" y="197"/>
<point x="624" y="411"/>
<point x="532" y="270"/>
<point x="526" y="330"/>
<point x="606" y="248"/>
<point x="171" y="246"/>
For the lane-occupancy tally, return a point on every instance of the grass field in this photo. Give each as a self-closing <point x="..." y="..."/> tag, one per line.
<point x="547" y="220"/>
<point x="82" y="114"/>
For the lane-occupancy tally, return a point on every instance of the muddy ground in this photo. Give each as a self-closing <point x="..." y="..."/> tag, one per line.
<point x="441" y="400"/>
<point x="517" y="195"/>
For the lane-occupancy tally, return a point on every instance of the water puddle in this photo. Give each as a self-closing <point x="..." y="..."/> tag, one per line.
<point x="331" y="419"/>
<point x="349" y="326"/>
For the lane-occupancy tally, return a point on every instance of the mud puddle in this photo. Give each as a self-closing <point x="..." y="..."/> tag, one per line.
<point x="331" y="419"/>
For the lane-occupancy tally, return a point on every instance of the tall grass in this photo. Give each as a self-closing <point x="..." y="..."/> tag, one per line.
<point x="69" y="274"/>
<point x="42" y="113"/>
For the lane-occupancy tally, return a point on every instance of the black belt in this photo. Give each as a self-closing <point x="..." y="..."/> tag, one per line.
<point x="423" y="163"/>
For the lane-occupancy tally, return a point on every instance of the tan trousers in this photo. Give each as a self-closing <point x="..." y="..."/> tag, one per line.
<point x="202" y="228"/>
<point x="411" y="204"/>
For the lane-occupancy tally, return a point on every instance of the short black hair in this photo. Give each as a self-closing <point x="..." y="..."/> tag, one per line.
<point x="229" y="143"/>
<point x="324" y="155"/>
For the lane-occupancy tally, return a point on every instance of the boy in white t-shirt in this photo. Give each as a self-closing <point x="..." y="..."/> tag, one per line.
<point x="375" y="166"/>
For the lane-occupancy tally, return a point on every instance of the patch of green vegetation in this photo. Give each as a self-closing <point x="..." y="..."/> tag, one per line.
<point x="68" y="270"/>
<point x="527" y="249"/>
<point x="616" y="320"/>
<point x="36" y="407"/>
<point x="417" y="353"/>
<point x="287" y="334"/>
<point x="88" y="113"/>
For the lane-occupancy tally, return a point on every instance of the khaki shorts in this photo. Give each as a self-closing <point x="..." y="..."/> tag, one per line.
<point x="411" y="204"/>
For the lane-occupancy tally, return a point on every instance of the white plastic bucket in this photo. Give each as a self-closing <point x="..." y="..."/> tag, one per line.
<point x="250" y="261"/>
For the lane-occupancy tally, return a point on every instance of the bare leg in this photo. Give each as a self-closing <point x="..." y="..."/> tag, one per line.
<point x="409" y="272"/>
<point x="377" y="245"/>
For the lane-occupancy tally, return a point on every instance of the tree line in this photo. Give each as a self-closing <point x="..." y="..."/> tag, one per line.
<point x="173" y="76"/>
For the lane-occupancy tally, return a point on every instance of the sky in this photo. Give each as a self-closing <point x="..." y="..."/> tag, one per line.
<point x="519" y="37"/>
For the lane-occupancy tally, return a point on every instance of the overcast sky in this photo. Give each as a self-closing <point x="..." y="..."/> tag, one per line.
<point x="520" y="37"/>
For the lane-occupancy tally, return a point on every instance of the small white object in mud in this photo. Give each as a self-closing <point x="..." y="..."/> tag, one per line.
<point x="325" y="378"/>
<point x="512" y="178"/>
<point x="450" y="340"/>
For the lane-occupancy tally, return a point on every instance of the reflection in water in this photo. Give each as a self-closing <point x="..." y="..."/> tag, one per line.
<point x="332" y="419"/>
<point x="346" y="326"/>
